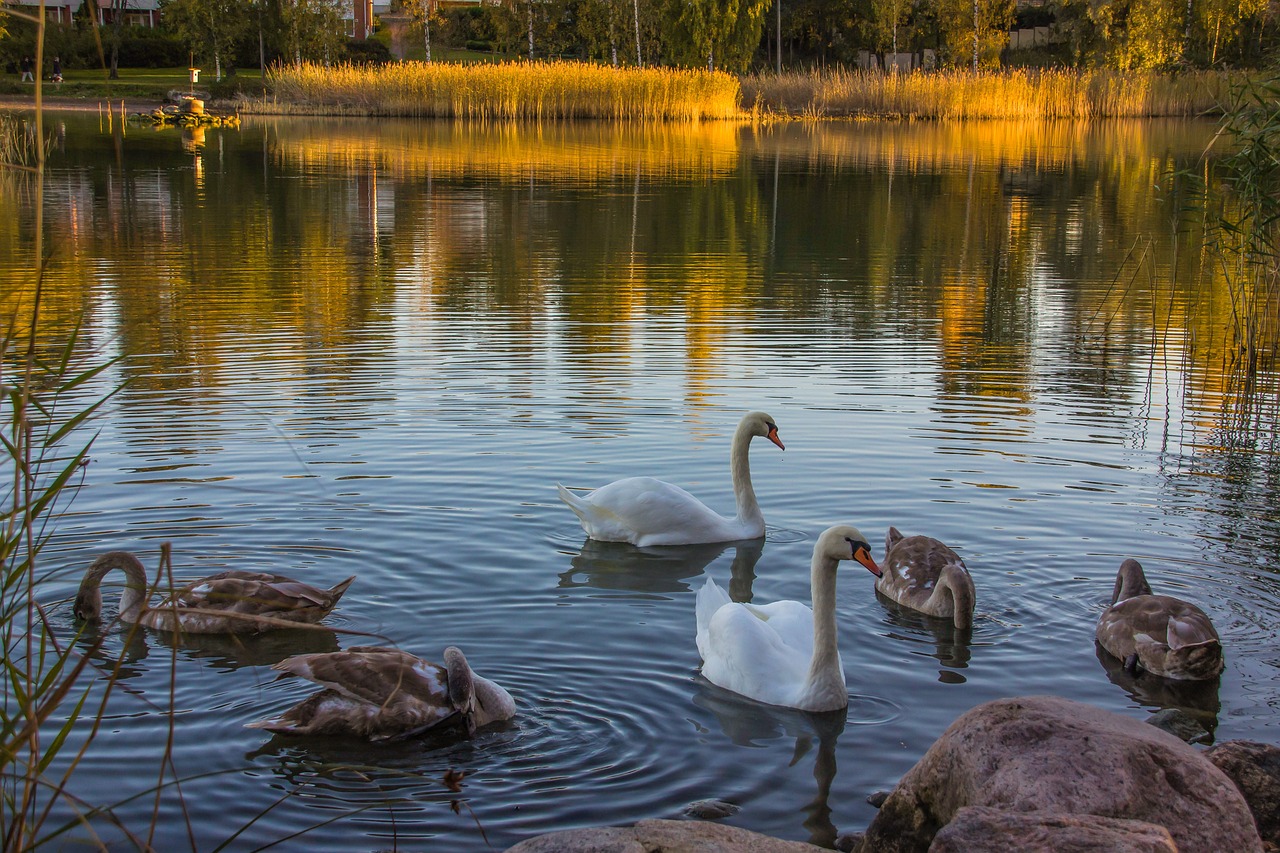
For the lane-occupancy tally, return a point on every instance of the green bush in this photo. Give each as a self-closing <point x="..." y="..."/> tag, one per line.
<point x="368" y="52"/>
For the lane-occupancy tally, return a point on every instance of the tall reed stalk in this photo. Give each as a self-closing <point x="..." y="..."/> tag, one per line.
<point x="543" y="91"/>
<point x="1019" y="94"/>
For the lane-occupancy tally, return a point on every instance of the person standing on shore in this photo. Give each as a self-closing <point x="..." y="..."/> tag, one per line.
<point x="56" y="77"/>
<point x="26" y="70"/>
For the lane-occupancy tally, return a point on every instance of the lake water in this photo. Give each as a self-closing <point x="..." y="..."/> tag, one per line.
<point x="374" y="348"/>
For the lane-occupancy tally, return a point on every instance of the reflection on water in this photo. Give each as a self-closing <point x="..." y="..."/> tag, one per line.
<point x="951" y="645"/>
<point x="747" y="723"/>
<point x="621" y="566"/>
<point x="378" y="345"/>
<point x="1197" y="699"/>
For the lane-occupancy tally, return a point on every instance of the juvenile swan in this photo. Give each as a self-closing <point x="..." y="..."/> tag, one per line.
<point x="383" y="694"/>
<point x="226" y="603"/>
<point x="783" y="653"/>
<point x="1164" y="635"/>
<point x="925" y="575"/>
<point x="645" y="511"/>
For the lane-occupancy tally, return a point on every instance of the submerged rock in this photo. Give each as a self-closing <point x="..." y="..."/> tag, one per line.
<point x="1047" y="754"/>
<point x="669" y="836"/>
<point x="710" y="809"/>
<point x="1180" y="724"/>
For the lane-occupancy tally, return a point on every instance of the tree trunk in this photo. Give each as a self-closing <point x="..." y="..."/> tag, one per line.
<point x="778" y="5"/>
<point x="975" y="36"/>
<point x="426" y="30"/>
<point x="635" y="5"/>
<point x="531" y="30"/>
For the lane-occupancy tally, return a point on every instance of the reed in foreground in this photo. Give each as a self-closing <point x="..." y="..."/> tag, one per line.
<point x="1021" y="94"/>
<point x="501" y="91"/>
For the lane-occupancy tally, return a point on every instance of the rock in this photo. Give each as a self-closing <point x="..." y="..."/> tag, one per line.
<point x="669" y="836"/>
<point x="978" y="829"/>
<point x="1044" y="753"/>
<point x="710" y="809"/>
<point x="1180" y="724"/>
<point x="877" y="799"/>
<point x="1255" y="770"/>
<point x="847" y="842"/>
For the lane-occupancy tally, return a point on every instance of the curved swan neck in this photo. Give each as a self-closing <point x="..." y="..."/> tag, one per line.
<point x="955" y="582"/>
<point x="826" y="650"/>
<point x="1130" y="581"/>
<point x="740" y="470"/>
<point x="132" y="598"/>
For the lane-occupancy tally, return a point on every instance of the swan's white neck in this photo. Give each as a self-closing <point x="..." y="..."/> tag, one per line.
<point x="740" y="470"/>
<point x="824" y="686"/>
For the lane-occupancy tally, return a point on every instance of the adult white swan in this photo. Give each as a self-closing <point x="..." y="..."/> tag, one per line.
<point x="645" y="511"/>
<point x="783" y="653"/>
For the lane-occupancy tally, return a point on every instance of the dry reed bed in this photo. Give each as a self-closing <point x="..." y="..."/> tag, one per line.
<point x="503" y="91"/>
<point x="1023" y="94"/>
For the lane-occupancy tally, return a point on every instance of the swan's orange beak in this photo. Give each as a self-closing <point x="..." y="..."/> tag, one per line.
<point x="862" y="555"/>
<point x="773" y="436"/>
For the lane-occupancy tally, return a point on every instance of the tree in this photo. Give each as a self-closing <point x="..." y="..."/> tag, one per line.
<point x="311" y="30"/>
<point x="973" y="32"/>
<point x="208" y="27"/>
<point x="888" y="17"/>
<point x="716" y="33"/>
<point x="424" y="12"/>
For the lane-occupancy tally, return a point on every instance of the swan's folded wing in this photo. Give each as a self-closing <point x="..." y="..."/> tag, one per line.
<point x="745" y="655"/>
<point x="252" y="595"/>
<point x="374" y="675"/>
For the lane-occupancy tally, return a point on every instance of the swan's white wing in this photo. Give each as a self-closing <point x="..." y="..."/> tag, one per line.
<point x="743" y="653"/>
<point x="645" y="511"/>
<point x="791" y="620"/>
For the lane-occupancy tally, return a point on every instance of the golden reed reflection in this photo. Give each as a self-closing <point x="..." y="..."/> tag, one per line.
<point x="581" y="151"/>
<point x="321" y="238"/>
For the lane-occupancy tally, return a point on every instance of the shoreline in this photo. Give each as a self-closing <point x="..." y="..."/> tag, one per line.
<point x="55" y="103"/>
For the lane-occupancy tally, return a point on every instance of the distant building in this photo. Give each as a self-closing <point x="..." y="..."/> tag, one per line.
<point x="136" y="13"/>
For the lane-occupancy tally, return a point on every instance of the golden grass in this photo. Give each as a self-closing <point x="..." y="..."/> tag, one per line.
<point x="502" y="91"/>
<point x="1021" y="94"/>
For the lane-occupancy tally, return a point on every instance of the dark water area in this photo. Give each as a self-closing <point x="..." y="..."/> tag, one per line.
<point x="374" y="348"/>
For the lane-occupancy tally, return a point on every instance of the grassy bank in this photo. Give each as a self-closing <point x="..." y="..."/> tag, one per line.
<point x="1021" y="94"/>
<point x="502" y="91"/>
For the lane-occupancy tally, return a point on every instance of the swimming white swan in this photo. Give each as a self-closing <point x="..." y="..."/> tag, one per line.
<point x="783" y="653"/>
<point x="1164" y="635"/>
<point x="925" y="575"/>
<point x="232" y="602"/>
<point x="645" y="511"/>
<point x="385" y="694"/>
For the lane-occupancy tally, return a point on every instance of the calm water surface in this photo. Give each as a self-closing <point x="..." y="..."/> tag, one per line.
<point x="374" y="349"/>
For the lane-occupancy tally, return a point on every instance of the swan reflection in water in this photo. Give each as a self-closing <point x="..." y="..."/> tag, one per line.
<point x="659" y="570"/>
<point x="746" y="723"/>
<point x="222" y="651"/>
<point x="952" y="645"/>
<point x="1197" y="699"/>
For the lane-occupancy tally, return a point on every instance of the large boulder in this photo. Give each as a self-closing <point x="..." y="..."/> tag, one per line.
<point x="978" y="829"/>
<point x="669" y="836"/>
<point x="1047" y="754"/>
<point x="1255" y="768"/>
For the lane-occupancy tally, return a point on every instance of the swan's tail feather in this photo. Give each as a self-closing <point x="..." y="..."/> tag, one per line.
<point x="574" y="503"/>
<point x="710" y="599"/>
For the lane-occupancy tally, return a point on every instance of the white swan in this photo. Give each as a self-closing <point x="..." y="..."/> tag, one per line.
<point x="645" y="511"/>
<point x="783" y="653"/>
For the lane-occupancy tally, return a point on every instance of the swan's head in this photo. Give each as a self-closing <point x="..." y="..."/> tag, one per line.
<point x="759" y="423"/>
<point x="88" y="605"/>
<point x="1130" y="581"/>
<point x="846" y="542"/>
